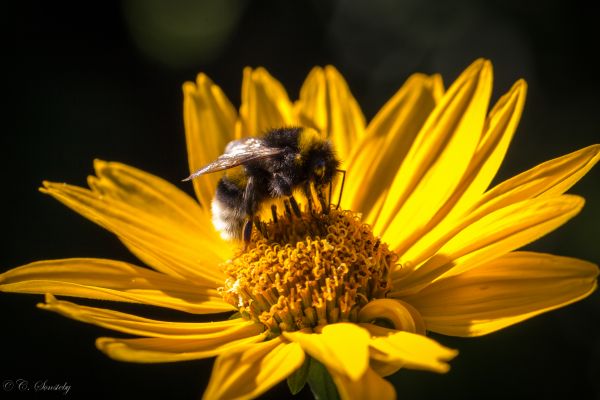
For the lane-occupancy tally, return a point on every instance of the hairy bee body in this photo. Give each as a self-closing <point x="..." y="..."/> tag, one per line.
<point x="265" y="168"/>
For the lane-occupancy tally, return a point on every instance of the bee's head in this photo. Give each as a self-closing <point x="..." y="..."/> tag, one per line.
<point x="322" y="163"/>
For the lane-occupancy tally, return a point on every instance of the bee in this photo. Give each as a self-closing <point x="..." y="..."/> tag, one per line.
<point x="272" y="166"/>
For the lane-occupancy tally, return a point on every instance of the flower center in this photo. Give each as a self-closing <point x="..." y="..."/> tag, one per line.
<point x="307" y="270"/>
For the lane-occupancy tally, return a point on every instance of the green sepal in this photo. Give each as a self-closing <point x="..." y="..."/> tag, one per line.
<point x="320" y="382"/>
<point x="297" y="380"/>
<point x="235" y="315"/>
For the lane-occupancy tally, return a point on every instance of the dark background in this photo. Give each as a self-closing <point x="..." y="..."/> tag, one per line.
<point x="103" y="80"/>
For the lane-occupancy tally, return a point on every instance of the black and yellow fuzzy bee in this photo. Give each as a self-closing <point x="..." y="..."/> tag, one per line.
<point x="272" y="166"/>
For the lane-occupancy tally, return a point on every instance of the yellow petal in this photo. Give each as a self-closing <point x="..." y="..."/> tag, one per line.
<point x="327" y="105"/>
<point x="400" y="314"/>
<point x="499" y="129"/>
<point x="310" y="107"/>
<point x="179" y="251"/>
<point x="387" y="141"/>
<point x="546" y="180"/>
<point x="495" y="234"/>
<point x="342" y="348"/>
<point x="157" y="350"/>
<point x="112" y="280"/>
<point x="209" y="120"/>
<point x="135" y="325"/>
<point x="249" y="371"/>
<point x="412" y="351"/>
<point x="438" y="158"/>
<point x="148" y="194"/>
<point x="369" y="386"/>
<point x="155" y="198"/>
<point x="265" y="103"/>
<point x="503" y="292"/>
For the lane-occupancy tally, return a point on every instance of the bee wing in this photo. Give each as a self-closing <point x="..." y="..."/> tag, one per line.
<point x="238" y="152"/>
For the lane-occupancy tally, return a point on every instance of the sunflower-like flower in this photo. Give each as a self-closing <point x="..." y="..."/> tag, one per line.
<point x="420" y="243"/>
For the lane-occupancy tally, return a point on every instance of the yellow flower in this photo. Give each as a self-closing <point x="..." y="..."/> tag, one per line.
<point x="426" y="246"/>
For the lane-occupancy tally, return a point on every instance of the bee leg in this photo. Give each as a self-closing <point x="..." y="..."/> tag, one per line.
<point x="274" y="212"/>
<point x="343" y="172"/>
<point x="309" y="196"/>
<point x="322" y="200"/>
<point x="248" y="197"/>
<point x="247" y="231"/>
<point x="295" y="207"/>
<point x="288" y="208"/>
<point x="260" y="226"/>
<point x="249" y="204"/>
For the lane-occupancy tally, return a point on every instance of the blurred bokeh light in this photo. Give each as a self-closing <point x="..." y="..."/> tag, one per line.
<point x="182" y="33"/>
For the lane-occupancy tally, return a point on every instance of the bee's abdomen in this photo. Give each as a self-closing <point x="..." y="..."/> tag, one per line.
<point x="228" y="215"/>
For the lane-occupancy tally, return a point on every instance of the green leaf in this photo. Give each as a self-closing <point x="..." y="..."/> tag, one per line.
<point x="320" y="382"/>
<point x="297" y="380"/>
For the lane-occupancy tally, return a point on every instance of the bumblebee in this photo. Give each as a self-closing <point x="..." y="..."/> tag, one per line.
<point x="271" y="167"/>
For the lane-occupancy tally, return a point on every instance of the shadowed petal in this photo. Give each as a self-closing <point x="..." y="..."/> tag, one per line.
<point x="249" y="371"/>
<point x="503" y="292"/>
<point x="369" y="386"/>
<point x="176" y="251"/>
<point x="112" y="280"/>
<point x="157" y="350"/>
<point x="155" y="198"/>
<point x="265" y="104"/>
<point x="209" y="120"/>
<point x="408" y="350"/>
<point x="327" y="105"/>
<point x="134" y="325"/>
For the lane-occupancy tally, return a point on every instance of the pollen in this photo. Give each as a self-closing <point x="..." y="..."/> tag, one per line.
<point x="306" y="270"/>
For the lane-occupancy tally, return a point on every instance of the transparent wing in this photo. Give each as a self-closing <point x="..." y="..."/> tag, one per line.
<point x="238" y="152"/>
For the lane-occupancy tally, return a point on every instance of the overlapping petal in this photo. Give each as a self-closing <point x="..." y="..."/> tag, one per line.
<point x="112" y="280"/>
<point x="249" y="371"/>
<point x="497" y="134"/>
<point x="548" y="179"/>
<point x="327" y="105"/>
<point x="438" y="158"/>
<point x="210" y="121"/>
<point x="504" y="291"/>
<point x="164" y="242"/>
<point x="265" y="104"/>
<point x="388" y="139"/>
<point x="408" y="350"/>
<point x="369" y="386"/>
<point x="491" y="236"/>
<point x="342" y="348"/>
<point x="135" y="325"/>
<point x="159" y="350"/>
